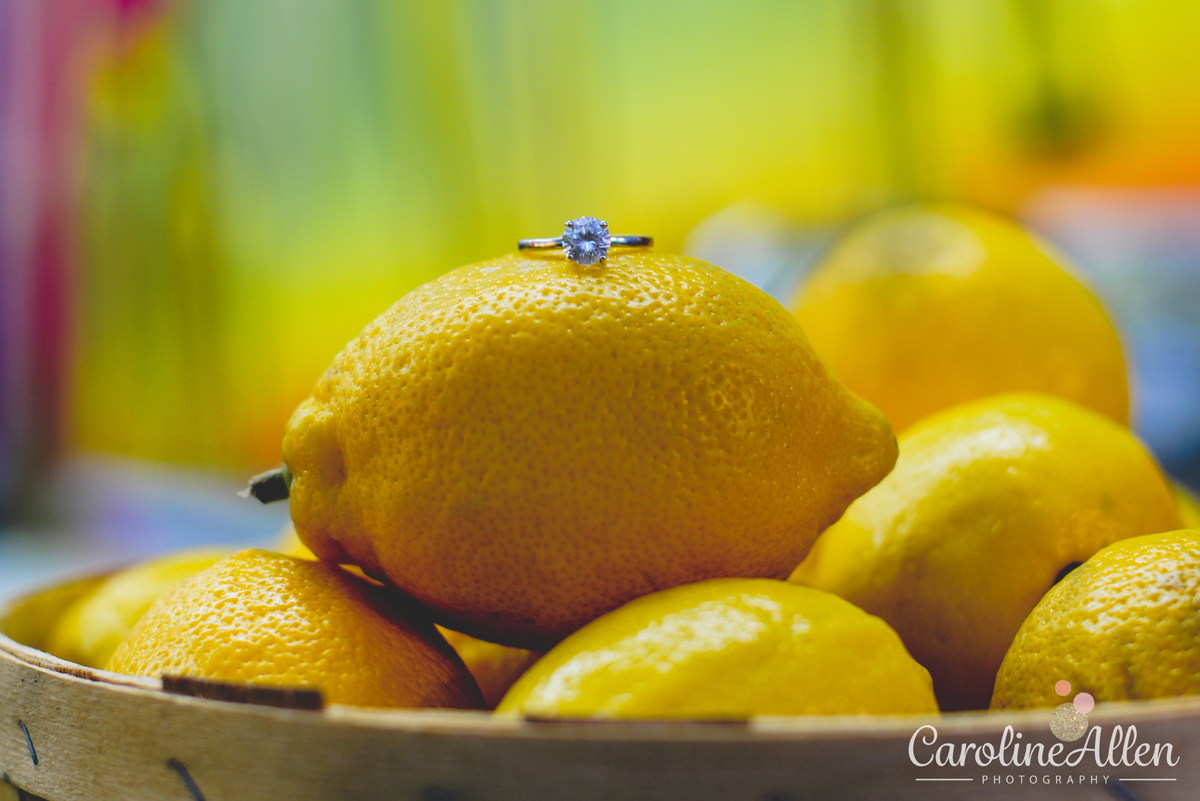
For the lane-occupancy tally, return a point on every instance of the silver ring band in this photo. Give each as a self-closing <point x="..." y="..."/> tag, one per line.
<point x="557" y="242"/>
<point x="586" y="241"/>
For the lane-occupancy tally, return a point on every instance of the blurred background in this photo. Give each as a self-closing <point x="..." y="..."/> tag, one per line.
<point x="201" y="201"/>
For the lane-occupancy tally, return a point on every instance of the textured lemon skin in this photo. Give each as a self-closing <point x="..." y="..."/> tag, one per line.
<point x="926" y="307"/>
<point x="91" y="628"/>
<point x="1124" y="625"/>
<point x="1189" y="507"/>
<point x="494" y="667"/>
<point x="525" y="444"/>
<point x="989" y="501"/>
<point x="727" y="648"/>
<point x="266" y="618"/>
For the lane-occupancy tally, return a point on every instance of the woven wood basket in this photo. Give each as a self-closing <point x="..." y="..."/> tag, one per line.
<point x="69" y="733"/>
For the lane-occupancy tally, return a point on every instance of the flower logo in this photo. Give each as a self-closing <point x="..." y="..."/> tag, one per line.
<point x="1069" y="721"/>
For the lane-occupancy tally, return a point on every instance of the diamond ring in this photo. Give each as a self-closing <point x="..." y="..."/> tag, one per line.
<point x="586" y="241"/>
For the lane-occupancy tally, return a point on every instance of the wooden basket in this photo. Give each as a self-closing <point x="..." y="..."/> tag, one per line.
<point x="68" y="732"/>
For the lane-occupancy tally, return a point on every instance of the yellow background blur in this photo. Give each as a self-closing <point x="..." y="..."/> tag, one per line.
<point x="260" y="180"/>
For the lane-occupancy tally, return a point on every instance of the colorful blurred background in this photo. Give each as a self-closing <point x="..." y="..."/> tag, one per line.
<point x="201" y="201"/>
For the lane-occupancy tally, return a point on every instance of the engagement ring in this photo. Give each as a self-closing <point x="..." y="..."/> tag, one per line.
<point x="586" y="241"/>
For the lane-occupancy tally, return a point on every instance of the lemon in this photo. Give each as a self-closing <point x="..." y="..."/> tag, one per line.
<point x="93" y="626"/>
<point x="266" y="618"/>
<point x="727" y="648"/>
<point x="1189" y="507"/>
<point x="989" y="502"/>
<point x="1124" y="625"/>
<point x="494" y="667"/>
<point x="925" y="307"/>
<point x="526" y="443"/>
<point x="288" y="543"/>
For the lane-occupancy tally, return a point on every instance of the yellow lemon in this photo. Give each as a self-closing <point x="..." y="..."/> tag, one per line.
<point x="925" y="307"/>
<point x="288" y="543"/>
<point x="989" y="503"/>
<point x="494" y="667"/>
<point x="266" y="618"/>
<point x="93" y="626"/>
<point x="1189" y="507"/>
<point x="727" y="648"/>
<point x="526" y="443"/>
<point x="1123" y="625"/>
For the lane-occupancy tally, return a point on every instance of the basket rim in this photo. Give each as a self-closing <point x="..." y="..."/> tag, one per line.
<point x="489" y="724"/>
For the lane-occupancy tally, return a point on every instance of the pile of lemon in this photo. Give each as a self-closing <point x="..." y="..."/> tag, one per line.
<point x="643" y="488"/>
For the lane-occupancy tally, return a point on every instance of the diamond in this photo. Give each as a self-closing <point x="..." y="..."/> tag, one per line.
<point x="586" y="240"/>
